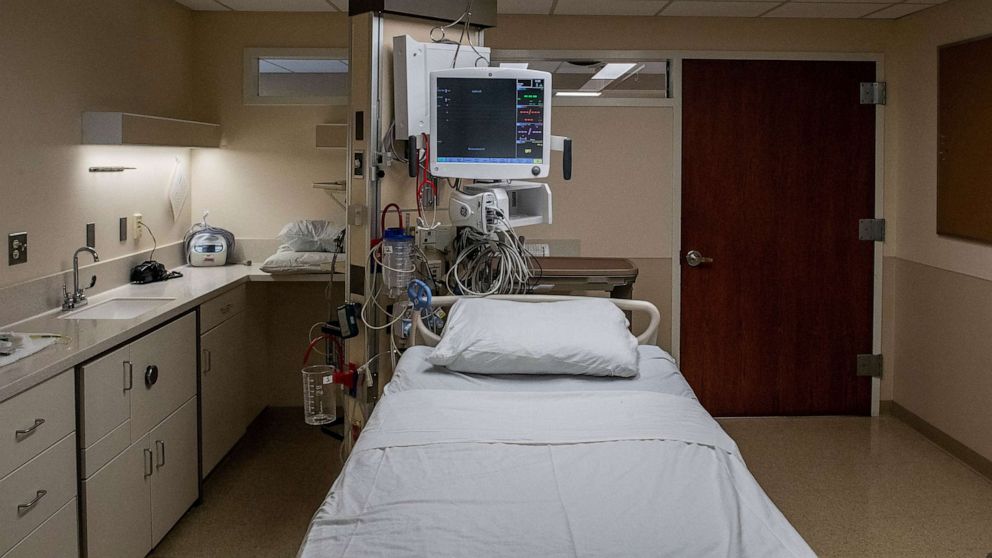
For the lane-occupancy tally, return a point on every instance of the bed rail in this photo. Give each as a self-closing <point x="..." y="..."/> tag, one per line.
<point x="424" y="336"/>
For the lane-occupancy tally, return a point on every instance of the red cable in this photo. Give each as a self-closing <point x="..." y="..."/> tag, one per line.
<point x="382" y="217"/>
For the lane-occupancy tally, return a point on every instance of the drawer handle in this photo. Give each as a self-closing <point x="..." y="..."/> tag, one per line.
<point x="25" y="508"/>
<point x="21" y="434"/>
<point x="160" y="446"/>
<point x="207" y="365"/>
<point x="128" y="375"/>
<point x="148" y="462"/>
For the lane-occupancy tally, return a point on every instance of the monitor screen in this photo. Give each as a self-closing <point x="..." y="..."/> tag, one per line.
<point x="494" y="121"/>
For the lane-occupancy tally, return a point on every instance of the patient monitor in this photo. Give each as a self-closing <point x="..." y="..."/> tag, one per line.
<point x="490" y="123"/>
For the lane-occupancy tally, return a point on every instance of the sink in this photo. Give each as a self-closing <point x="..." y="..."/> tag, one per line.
<point x="117" y="309"/>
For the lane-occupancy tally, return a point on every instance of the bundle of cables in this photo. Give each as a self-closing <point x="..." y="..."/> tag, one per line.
<point x="495" y="263"/>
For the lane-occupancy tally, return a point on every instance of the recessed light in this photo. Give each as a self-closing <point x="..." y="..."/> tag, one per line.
<point x="578" y="93"/>
<point x="613" y="71"/>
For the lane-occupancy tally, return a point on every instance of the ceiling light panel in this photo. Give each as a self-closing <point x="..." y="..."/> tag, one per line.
<point x="613" y="7"/>
<point x="535" y="7"/>
<point x="280" y="6"/>
<point x="702" y="8"/>
<point x="613" y="71"/>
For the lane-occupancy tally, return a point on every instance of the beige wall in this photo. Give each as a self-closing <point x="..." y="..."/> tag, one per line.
<point x="942" y="286"/>
<point x="262" y="176"/>
<point x="57" y="60"/>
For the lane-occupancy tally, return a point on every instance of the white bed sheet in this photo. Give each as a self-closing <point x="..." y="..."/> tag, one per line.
<point x="463" y="465"/>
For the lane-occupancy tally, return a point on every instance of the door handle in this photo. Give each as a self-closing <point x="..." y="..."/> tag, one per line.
<point x="148" y="462"/>
<point x="25" y="508"/>
<point x="21" y="434"/>
<point x="695" y="259"/>
<point x="160" y="448"/>
<point x="206" y="360"/>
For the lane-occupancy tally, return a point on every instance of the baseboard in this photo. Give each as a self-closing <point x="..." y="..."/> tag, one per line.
<point x="946" y="442"/>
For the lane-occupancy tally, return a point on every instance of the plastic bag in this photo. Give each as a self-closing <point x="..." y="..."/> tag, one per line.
<point x="311" y="236"/>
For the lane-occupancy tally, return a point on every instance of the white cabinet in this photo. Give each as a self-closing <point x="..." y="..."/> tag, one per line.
<point x="133" y="501"/>
<point x="223" y="388"/>
<point x="56" y="537"/>
<point x="138" y="410"/>
<point x="226" y="405"/>
<point x="37" y="468"/>
<point x="175" y="481"/>
<point x="118" y="505"/>
<point x="164" y="373"/>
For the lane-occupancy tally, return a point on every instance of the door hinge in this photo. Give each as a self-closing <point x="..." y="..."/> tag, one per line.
<point x="873" y="93"/>
<point x="870" y="365"/>
<point x="872" y="230"/>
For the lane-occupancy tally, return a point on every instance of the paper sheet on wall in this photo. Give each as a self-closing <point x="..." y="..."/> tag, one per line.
<point x="178" y="188"/>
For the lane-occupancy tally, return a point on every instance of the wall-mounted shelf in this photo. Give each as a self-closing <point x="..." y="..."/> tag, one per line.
<point x="336" y="186"/>
<point x="332" y="136"/>
<point x="123" y="128"/>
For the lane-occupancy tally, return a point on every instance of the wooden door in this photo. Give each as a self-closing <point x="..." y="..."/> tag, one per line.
<point x="175" y="483"/>
<point x="223" y="388"/>
<point x="118" y="507"/>
<point x="778" y="167"/>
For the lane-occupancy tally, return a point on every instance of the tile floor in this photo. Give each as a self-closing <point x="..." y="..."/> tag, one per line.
<point x="853" y="487"/>
<point x="860" y="487"/>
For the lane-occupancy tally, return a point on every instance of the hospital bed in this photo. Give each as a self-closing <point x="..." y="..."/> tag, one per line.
<point x="454" y="464"/>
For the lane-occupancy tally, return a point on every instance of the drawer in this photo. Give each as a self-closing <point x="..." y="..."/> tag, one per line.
<point x="215" y="311"/>
<point x="34" y="492"/>
<point x="59" y="536"/>
<point x="34" y="420"/>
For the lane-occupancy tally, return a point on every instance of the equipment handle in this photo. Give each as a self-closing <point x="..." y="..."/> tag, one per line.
<point x="566" y="159"/>
<point x="412" y="156"/>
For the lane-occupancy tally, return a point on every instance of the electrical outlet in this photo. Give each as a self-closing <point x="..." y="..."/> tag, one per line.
<point x="138" y="222"/>
<point x="91" y="235"/>
<point x="17" y="248"/>
<point x="122" y="228"/>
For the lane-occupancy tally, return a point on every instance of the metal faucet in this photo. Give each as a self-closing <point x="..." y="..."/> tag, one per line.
<point x="77" y="298"/>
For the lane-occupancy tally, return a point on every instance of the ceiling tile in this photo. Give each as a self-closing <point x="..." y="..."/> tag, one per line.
<point x="712" y="8"/>
<point x="525" y="6"/>
<point x="202" y="5"/>
<point x="898" y="10"/>
<point x="613" y="7"/>
<point x="280" y="5"/>
<point x="841" y="10"/>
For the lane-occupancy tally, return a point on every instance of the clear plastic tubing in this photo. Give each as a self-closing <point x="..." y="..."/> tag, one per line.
<point x="397" y="261"/>
<point x="319" y="394"/>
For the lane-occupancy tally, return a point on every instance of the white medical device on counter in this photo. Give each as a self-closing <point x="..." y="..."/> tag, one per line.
<point x="208" y="246"/>
<point x="207" y="249"/>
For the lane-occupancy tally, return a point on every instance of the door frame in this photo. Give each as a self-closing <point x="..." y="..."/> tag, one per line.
<point x="879" y="248"/>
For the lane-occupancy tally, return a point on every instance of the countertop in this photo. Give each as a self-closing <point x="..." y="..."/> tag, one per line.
<point x="89" y="338"/>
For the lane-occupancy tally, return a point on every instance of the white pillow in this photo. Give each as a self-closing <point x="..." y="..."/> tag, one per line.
<point x="583" y="337"/>
<point x="288" y="262"/>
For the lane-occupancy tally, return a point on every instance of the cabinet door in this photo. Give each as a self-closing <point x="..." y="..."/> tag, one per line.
<point x="118" y="505"/>
<point x="223" y="389"/>
<point x="171" y="350"/>
<point x="175" y="484"/>
<point x="106" y="402"/>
